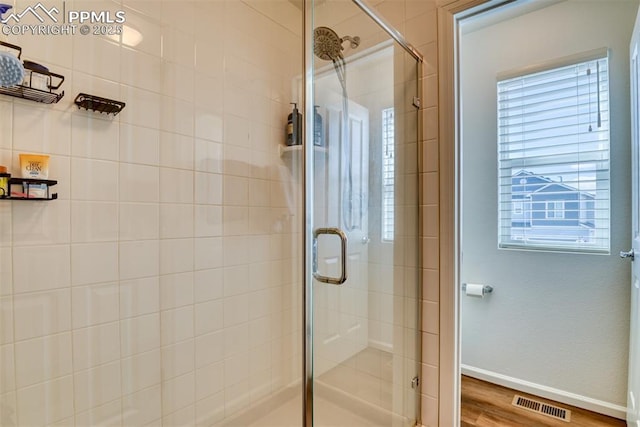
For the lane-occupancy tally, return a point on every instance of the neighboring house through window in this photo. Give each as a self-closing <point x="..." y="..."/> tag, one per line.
<point x="553" y="149"/>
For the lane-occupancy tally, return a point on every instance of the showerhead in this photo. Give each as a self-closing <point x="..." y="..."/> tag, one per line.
<point x="327" y="44"/>
<point x="11" y="70"/>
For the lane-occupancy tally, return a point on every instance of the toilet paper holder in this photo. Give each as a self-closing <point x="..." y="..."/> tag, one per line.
<point x="485" y="288"/>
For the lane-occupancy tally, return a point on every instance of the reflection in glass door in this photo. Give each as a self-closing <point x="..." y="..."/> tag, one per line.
<point x="364" y="277"/>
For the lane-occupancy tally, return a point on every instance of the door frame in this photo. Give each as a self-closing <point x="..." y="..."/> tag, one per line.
<point x="449" y="16"/>
<point x="449" y="137"/>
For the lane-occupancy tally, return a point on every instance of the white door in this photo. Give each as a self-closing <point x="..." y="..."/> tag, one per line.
<point x="341" y="202"/>
<point x="633" y="385"/>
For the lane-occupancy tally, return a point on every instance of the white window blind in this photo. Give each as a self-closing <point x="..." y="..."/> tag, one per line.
<point x="388" y="173"/>
<point x="553" y="159"/>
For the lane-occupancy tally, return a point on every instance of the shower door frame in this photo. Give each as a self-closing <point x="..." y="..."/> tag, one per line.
<point x="307" y="182"/>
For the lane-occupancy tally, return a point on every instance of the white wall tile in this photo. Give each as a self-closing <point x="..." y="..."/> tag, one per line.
<point x="139" y="183"/>
<point x="178" y="46"/>
<point x="176" y="185"/>
<point x="178" y="359"/>
<point x="41" y="268"/>
<point x="6" y="121"/>
<point x="259" y="192"/>
<point x="94" y="180"/>
<point x="178" y="393"/>
<point x="141" y="371"/>
<point x="210" y="348"/>
<point x="209" y="90"/>
<point x="140" y="334"/>
<point x="236" y="310"/>
<point x="210" y="410"/>
<point x="208" y="156"/>
<point x="176" y="290"/>
<point x="143" y="107"/>
<point x="236" y="340"/>
<point x="176" y="116"/>
<point x="95" y="304"/>
<point x="209" y="125"/>
<point x="109" y="414"/>
<point x="176" y="325"/>
<point x="178" y="81"/>
<point x="208" y="188"/>
<point x="46" y="403"/>
<point x="209" y="380"/>
<point x="208" y="284"/>
<point x="237" y="250"/>
<point x="6" y="320"/>
<point x="5" y="225"/>
<point x="97" y="56"/>
<point x="141" y="70"/>
<point x="94" y="263"/>
<point x="43" y="359"/>
<point x="6" y="276"/>
<point x="139" y="221"/>
<point x="139" y="145"/>
<point x="208" y="252"/>
<point x="176" y="151"/>
<point x="236" y="221"/>
<point x="139" y="297"/>
<point x="96" y="345"/>
<point x="7" y="369"/>
<point x="208" y="221"/>
<point x="94" y="222"/>
<point x="236" y="191"/>
<point x="94" y="137"/>
<point x="42" y="313"/>
<point x="143" y="407"/>
<point x="176" y="220"/>
<point x="41" y="223"/>
<point x="235" y="369"/>
<point x="144" y="18"/>
<point x="97" y="386"/>
<point x="40" y="130"/>
<point x="209" y="317"/>
<point x="176" y="255"/>
<point x="236" y="280"/>
<point x="139" y="258"/>
<point x="237" y="161"/>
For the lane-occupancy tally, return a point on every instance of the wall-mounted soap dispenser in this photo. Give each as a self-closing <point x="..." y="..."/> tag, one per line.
<point x="294" y="127"/>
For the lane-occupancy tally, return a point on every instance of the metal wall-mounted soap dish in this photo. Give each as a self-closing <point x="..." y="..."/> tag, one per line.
<point x="98" y="104"/>
<point x="39" y="84"/>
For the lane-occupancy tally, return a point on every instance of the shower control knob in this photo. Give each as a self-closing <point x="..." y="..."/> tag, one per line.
<point x="365" y="240"/>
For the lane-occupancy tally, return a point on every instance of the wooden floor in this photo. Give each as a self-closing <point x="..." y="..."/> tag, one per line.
<point x="489" y="405"/>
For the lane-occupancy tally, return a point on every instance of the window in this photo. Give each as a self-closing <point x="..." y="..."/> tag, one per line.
<point x="388" y="172"/>
<point x="517" y="208"/>
<point x="553" y="158"/>
<point x="555" y="210"/>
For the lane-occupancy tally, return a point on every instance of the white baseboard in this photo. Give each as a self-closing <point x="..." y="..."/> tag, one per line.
<point x="562" y="396"/>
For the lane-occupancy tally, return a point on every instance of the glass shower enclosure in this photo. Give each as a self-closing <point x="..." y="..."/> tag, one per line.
<point x="205" y="262"/>
<point x="362" y="214"/>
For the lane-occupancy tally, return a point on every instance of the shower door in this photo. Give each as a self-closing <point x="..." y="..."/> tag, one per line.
<point x="362" y="211"/>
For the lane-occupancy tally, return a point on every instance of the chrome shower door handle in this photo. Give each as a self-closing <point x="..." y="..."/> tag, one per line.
<point x="343" y="256"/>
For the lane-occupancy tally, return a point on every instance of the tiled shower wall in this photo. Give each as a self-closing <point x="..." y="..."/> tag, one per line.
<point x="158" y="288"/>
